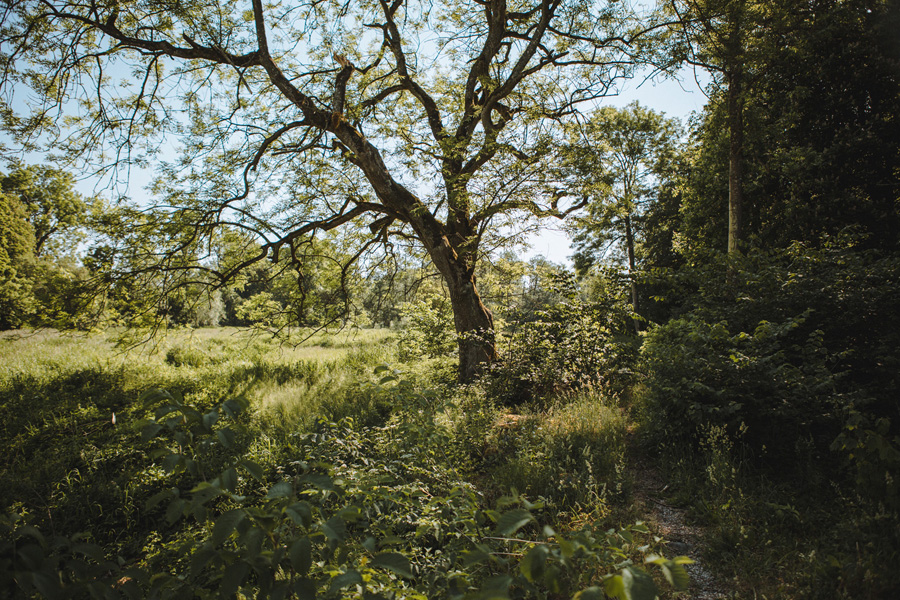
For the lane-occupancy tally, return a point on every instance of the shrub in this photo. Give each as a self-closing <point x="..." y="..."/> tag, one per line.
<point x="427" y="328"/>
<point x="799" y="345"/>
<point x="775" y="381"/>
<point x="570" y="344"/>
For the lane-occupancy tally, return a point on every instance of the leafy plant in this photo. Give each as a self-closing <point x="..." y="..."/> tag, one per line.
<point x="569" y="344"/>
<point x="427" y="328"/>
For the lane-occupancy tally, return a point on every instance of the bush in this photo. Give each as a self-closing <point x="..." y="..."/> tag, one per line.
<point x="372" y="512"/>
<point x="571" y="344"/>
<point x="427" y="328"/>
<point x="775" y="381"/>
<point x="800" y="345"/>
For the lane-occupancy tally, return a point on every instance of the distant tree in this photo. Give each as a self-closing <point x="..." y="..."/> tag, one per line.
<point x="52" y="206"/>
<point x="16" y="260"/>
<point x="617" y="159"/>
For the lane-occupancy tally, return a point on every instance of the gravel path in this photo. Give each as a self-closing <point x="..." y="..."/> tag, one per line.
<point x="683" y="539"/>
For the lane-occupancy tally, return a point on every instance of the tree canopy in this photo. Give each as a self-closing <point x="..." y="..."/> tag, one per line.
<point x="410" y="120"/>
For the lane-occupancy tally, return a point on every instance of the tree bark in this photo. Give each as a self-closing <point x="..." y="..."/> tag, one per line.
<point x="474" y="326"/>
<point x="629" y="244"/>
<point x="735" y="165"/>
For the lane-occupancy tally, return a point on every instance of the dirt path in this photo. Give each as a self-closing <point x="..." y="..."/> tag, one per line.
<point x="683" y="539"/>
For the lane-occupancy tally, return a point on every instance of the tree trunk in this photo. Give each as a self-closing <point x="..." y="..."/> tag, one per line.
<point x="735" y="152"/>
<point x="629" y="244"/>
<point x="474" y="325"/>
<point x="735" y="168"/>
<point x="474" y="322"/>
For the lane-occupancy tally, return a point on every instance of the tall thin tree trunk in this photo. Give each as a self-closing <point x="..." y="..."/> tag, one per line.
<point x="629" y="244"/>
<point x="735" y="168"/>
<point x="735" y="108"/>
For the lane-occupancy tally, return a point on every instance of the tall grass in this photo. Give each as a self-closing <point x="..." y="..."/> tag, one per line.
<point x="68" y="403"/>
<point x="572" y="455"/>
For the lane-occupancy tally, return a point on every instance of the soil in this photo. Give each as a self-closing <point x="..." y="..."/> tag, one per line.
<point x="682" y="539"/>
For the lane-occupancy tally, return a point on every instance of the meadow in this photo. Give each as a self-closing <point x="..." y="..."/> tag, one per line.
<point x="224" y="461"/>
<point x="220" y="463"/>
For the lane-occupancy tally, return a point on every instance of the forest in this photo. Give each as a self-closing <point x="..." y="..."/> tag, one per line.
<point x="291" y="344"/>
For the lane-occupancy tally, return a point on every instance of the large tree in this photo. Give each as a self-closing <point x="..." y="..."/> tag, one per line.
<point x="412" y="119"/>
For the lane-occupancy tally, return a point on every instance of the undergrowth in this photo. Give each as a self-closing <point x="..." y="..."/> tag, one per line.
<point x="249" y="470"/>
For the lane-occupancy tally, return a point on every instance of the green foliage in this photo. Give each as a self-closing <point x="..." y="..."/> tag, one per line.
<point x="776" y="385"/>
<point x="426" y="329"/>
<point x="571" y="456"/>
<point x="261" y="310"/>
<point x="16" y="258"/>
<point x="54" y="210"/>
<point x="214" y="500"/>
<point x="872" y="449"/>
<point x="617" y="158"/>
<point x="345" y="516"/>
<point x="775" y="380"/>
<point x="820" y="129"/>
<point x="786" y="342"/>
<point x="569" y="344"/>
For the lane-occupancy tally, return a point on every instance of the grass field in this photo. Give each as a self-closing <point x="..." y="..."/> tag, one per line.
<point x="419" y="456"/>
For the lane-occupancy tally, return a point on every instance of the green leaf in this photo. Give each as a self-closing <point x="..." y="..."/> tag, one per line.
<point x="282" y="489"/>
<point x="256" y="471"/>
<point x="234" y="406"/>
<point x="614" y="587"/>
<point x="234" y="576"/>
<point x="148" y="432"/>
<point x="252" y="542"/>
<point x="343" y="580"/>
<point x="513" y="520"/>
<point x="301" y="556"/>
<point x="209" y="419"/>
<point x="201" y="558"/>
<point x="156" y="499"/>
<point x="175" y="511"/>
<point x="591" y="593"/>
<point x="474" y="557"/>
<point x="152" y="396"/>
<point x="225" y="524"/>
<point x="171" y="462"/>
<point x="638" y="585"/>
<point x="47" y="586"/>
<point x="31" y="532"/>
<point x="334" y="529"/>
<point x="395" y="563"/>
<point x="226" y="437"/>
<point x="300" y="513"/>
<point x="229" y="479"/>
<point x="305" y="589"/>
<point x="495" y="588"/>
<point x="673" y="570"/>
<point x="323" y="482"/>
<point x="532" y="564"/>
